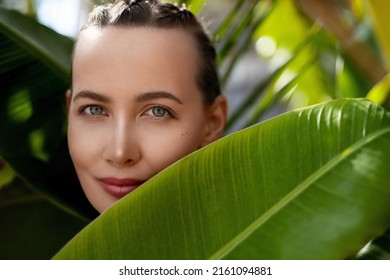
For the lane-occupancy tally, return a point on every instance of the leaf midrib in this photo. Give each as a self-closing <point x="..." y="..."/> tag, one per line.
<point x="280" y="205"/>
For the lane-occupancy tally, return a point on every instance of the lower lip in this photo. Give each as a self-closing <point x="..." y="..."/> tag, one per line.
<point x="118" y="191"/>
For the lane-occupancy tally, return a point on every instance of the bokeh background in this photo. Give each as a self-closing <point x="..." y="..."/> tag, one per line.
<point x="274" y="56"/>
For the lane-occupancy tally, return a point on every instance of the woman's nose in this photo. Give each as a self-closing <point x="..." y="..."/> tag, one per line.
<point x="122" y="148"/>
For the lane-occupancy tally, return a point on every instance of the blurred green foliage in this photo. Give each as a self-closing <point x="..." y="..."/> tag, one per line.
<point x="312" y="51"/>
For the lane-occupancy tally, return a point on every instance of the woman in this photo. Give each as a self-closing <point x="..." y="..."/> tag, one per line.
<point x="145" y="93"/>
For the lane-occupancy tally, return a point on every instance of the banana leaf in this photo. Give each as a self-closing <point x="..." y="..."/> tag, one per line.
<point x="378" y="249"/>
<point x="309" y="184"/>
<point x="34" y="75"/>
<point x="31" y="226"/>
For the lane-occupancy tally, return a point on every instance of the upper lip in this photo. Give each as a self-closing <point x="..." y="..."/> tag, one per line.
<point x="121" y="181"/>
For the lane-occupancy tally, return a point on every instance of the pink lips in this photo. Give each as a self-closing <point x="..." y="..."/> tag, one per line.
<point x="120" y="187"/>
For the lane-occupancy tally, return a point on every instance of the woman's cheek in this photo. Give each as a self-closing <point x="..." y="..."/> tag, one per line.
<point x="164" y="147"/>
<point x="84" y="143"/>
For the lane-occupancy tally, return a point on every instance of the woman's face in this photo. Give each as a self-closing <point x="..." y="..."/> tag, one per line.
<point x="135" y="108"/>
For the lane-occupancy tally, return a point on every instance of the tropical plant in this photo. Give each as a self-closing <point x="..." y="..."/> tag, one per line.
<point x="336" y="151"/>
<point x="251" y="202"/>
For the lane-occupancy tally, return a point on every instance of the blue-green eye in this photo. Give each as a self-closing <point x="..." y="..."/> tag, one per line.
<point x="94" y="110"/>
<point x="159" y="112"/>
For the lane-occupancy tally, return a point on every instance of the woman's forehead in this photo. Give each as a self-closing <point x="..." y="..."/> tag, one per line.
<point x="108" y="39"/>
<point x="148" y="58"/>
<point x="151" y="47"/>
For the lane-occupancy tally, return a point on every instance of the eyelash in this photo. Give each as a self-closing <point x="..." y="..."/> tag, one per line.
<point x="168" y="113"/>
<point x="82" y="110"/>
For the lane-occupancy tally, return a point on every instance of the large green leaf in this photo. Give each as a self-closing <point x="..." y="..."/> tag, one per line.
<point x="40" y="41"/>
<point x="32" y="227"/>
<point x="34" y="75"/>
<point x="379" y="249"/>
<point x="310" y="184"/>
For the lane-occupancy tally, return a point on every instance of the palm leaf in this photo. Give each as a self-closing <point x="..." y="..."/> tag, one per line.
<point x="239" y="41"/>
<point x="262" y="95"/>
<point x="310" y="184"/>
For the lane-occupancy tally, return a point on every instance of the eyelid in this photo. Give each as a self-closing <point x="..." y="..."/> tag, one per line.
<point x="170" y="112"/>
<point x="81" y="110"/>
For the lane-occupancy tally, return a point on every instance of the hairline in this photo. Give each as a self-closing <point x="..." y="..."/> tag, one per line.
<point x="198" y="60"/>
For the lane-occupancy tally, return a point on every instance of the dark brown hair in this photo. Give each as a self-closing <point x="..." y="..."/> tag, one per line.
<point x="153" y="13"/>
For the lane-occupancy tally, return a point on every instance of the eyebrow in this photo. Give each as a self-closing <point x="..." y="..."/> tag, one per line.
<point x="147" y="96"/>
<point x="143" y="97"/>
<point x="92" y="95"/>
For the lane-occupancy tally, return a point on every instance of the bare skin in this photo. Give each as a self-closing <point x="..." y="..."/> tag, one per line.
<point x="135" y="108"/>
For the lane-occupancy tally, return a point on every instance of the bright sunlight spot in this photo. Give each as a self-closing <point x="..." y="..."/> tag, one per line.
<point x="279" y="58"/>
<point x="61" y="15"/>
<point x="266" y="46"/>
